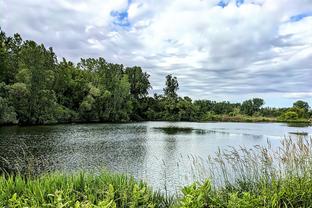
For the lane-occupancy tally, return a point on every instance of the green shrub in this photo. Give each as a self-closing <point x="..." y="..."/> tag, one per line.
<point x="289" y="115"/>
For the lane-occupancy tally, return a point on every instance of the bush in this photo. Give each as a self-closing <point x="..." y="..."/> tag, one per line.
<point x="289" y="115"/>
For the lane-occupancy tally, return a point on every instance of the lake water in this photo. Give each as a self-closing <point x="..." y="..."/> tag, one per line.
<point x="140" y="149"/>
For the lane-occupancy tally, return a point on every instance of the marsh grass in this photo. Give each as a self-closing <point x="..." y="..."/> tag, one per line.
<point x="255" y="177"/>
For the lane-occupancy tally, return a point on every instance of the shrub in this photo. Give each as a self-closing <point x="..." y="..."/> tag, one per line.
<point x="289" y="115"/>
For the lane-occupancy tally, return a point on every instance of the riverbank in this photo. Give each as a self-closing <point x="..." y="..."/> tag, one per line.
<point x="111" y="190"/>
<point x="257" y="177"/>
<point x="214" y="118"/>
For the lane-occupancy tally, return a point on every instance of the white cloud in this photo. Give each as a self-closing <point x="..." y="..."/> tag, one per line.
<point x="231" y="52"/>
<point x="299" y="95"/>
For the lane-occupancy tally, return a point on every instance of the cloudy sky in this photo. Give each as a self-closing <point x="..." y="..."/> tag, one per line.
<point x="219" y="49"/>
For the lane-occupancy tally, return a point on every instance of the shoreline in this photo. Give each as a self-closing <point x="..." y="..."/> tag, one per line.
<point x="226" y="120"/>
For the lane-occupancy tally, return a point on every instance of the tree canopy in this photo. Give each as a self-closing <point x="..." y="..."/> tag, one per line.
<point x="37" y="88"/>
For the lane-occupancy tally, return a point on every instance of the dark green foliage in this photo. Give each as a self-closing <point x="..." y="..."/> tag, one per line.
<point x="7" y="112"/>
<point x="172" y="86"/>
<point x="250" y="107"/>
<point x="301" y="104"/>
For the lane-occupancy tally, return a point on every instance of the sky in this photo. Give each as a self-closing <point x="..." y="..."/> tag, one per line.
<point x="218" y="49"/>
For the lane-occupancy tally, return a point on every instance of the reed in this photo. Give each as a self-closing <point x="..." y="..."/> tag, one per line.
<point x="256" y="177"/>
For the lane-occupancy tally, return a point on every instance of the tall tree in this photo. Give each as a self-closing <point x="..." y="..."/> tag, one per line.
<point x="172" y="86"/>
<point x="41" y="63"/>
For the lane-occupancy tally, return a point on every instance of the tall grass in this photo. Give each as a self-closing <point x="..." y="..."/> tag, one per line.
<point x="257" y="177"/>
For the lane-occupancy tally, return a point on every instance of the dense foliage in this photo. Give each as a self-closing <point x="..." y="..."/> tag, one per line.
<point x="80" y="190"/>
<point x="111" y="191"/>
<point x="37" y="88"/>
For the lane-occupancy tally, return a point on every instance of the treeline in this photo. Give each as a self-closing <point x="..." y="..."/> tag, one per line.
<point x="36" y="88"/>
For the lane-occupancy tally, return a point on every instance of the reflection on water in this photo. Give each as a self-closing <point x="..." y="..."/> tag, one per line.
<point x="298" y="124"/>
<point x="144" y="150"/>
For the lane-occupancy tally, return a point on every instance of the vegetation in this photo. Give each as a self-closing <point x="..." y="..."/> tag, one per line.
<point x="37" y="88"/>
<point x="257" y="177"/>
<point x="78" y="190"/>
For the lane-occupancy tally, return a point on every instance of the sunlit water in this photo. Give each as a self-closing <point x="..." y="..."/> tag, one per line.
<point x="139" y="149"/>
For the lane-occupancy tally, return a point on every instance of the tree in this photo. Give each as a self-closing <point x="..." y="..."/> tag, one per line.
<point x="172" y="86"/>
<point x="187" y="111"/>
<point x="301" y="104"/>
<point x="41" y="63"/>
<point x="109" y="91"/>
<point x="139" y="86"/>
<point x="304" y="106"/>
<point x="71" y="85"/>
<point x="19" y="95"/>
<point x="7" y="112"/>
<point x="250" y="107"/>
<point x="139" y="83"/>
<point x="9" y="57"/>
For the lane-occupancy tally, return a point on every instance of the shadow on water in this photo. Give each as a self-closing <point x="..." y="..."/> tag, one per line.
<point x="299" y="124"/>
<point x="40" y="149"/>
<point x="298" y="133"/>
<point x="171" y="130"/>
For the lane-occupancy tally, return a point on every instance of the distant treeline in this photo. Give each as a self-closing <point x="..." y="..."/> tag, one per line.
<point x="36" y="88"/>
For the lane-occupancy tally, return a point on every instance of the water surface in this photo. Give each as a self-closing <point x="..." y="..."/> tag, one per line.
<point x="144" y="150"/>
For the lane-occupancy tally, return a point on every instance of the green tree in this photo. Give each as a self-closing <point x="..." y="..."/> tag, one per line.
<point x="172" y="86"/>
<point x="139" y="83"/>
<point x="113" y="100"/>
<point x="139" y="86"/>
<point x="250" y="107"/>
<point x="304" y="106"/>
<point x="7" y="112"/>
<point x="187" y="111"/>
<point x="9" y="57"/>
<point x="41" y="63"/>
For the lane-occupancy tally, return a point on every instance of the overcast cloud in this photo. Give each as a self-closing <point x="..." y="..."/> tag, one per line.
<point x="220" y="50"/>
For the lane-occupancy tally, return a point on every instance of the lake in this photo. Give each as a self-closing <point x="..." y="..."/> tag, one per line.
<point x="145" y="150"/>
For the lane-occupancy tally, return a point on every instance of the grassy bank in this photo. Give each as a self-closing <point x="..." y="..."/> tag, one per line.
<point x="245" y="118"/>
<point x="257" y="177"/>
<point x="78" y="190"/>
<point x="107" y="190"/>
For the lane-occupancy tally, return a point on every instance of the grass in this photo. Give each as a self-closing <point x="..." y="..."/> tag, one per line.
<point x="78" y="190"/>
<point x="255" y="177"/>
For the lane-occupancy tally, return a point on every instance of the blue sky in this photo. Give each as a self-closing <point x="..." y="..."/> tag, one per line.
<point x="219" y="49"/>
